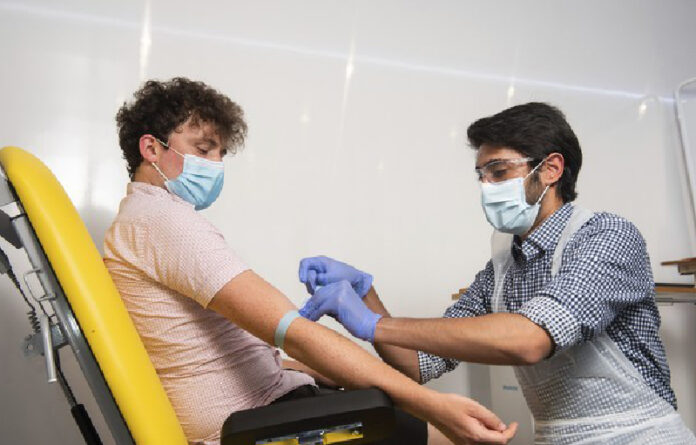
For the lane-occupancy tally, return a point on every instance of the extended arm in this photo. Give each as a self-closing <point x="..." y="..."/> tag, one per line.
<point x="465" y="334"/>
<point x="256" y="306"/>
<point x="498" y="339"/>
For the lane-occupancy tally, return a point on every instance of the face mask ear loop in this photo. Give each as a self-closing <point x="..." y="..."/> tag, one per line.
<point x="535" y="168"/>
<point x="155" y="165"/>
<point x="547" y="187"/>
<point x="159" y="171"/>
<point x="176" y="152"/>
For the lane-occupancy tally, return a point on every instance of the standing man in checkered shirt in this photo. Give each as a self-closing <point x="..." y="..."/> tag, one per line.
<point x="567" y="297"/>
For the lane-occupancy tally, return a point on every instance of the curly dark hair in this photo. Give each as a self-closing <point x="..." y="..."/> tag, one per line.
<point x="161" y="107"/>
<point x="536" y="130"/>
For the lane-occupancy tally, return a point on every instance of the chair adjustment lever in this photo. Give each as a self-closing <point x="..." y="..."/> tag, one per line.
<point x="37" y="271"/>
<point x="48" y="349"/>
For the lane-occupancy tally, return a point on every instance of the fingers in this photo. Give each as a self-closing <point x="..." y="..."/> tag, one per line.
<point x="312" y="308"/>
<point x="307" y="311"/>
<point x="364" y="285"/>
<point x="311" y="281"/>
<point x="328" y="306"/>
<point x="323" y="301"/>
<point x="331" y="276"/>
<point x="310" y="289"/>
<point x="311" y="263"/>
<point x="480" y="434"/>
<point x="485" y="435"/>
<point x="322" y="270"/>
<point x="302" y="272"/>
<point x="509" y="433"/>
<point x="486" y="417"/>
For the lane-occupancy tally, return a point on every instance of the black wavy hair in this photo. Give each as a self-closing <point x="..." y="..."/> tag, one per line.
<point x="160" y="107"/>
<point x="536" y="130"/>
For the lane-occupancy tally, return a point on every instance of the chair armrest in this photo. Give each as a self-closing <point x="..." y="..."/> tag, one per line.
<point x="360" y="416"/>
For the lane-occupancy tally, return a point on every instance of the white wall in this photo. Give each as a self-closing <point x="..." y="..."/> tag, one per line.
<point x="357" y="113"/>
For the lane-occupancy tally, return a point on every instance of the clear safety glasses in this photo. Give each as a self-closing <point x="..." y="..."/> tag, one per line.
<point x="500" y="170"/>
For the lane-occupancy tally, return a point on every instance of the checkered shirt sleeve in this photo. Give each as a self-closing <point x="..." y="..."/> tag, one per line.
<point x="602" y="274"/>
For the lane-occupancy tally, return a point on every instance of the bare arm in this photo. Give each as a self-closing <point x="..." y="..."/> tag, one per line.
<point x="403" y="359"/>
<point x="498" y="339"/>
<point x="256" y="306"/>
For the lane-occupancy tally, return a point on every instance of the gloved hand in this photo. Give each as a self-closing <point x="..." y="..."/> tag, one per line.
<point x="322" y="270"/>
<point x="341" y="302"/>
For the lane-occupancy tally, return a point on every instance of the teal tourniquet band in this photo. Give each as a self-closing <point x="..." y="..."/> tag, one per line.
<point x="279" y="337"/>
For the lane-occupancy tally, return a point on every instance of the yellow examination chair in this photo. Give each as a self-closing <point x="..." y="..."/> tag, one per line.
<point x="78" y="306"/>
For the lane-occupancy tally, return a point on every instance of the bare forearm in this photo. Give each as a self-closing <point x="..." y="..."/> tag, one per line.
<point x="405" y="360"/>
<point x="499" y="339"/>
<point x="256" y="306"/>
<point x="351" y="366"/>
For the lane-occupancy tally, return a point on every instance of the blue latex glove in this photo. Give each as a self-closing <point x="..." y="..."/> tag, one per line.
<point x="322" y="270"/>
<point x="341" y="302"/>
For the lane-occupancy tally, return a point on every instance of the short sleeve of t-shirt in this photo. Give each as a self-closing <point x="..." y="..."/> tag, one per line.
<point x="187" y="254"/>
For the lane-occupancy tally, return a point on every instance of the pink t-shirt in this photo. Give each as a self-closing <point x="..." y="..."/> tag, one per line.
<point x="168" y="262"/>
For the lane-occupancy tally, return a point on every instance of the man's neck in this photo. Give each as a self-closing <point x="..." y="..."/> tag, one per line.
<point x="148" y="175"/>
<point x="548" y="207"/>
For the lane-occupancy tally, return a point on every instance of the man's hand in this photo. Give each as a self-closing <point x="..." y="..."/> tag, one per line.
<point x="341" y="302"/>
<point x="464" y="421"/>
<point x="322" y="270"/>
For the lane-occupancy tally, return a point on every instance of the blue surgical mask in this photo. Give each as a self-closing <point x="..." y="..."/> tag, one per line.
<point x="200" y="180"/>
<point x="506" y="207"/>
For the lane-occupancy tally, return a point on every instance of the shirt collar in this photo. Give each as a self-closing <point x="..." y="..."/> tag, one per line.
<point x="544" y="237"/>
<point x="153" y="190"/>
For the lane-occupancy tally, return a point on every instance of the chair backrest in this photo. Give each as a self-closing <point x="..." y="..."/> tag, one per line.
<point x="97" y="306"/>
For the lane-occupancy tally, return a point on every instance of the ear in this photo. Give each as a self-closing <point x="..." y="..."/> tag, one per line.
<point x="553" y="169"/>
<point x="148" y="149"/>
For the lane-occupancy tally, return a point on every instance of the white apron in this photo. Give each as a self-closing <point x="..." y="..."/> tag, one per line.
<point x="589" y="393"/>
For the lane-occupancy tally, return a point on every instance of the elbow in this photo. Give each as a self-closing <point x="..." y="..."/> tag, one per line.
<point x="530" y="356"/>
<point x="537" y="348"/>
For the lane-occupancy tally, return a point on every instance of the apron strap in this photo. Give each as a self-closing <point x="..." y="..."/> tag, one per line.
<point x="501" y="255"/>
<point x="577" y="219"/>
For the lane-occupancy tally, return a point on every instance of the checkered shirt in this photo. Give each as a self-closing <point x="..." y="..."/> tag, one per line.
<point x="605" y="284"/>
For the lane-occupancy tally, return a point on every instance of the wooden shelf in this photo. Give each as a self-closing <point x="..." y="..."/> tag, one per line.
<point x="674" y="289"/>
<point x="678" y="293"/>
<point x="675" y="293"/>
<point x="686" y="266"/>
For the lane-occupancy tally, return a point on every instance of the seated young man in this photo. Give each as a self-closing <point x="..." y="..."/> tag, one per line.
<point x="206" y="319"/>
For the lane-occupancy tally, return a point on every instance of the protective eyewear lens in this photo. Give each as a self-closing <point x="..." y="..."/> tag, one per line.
<point x="500" y="170"/>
